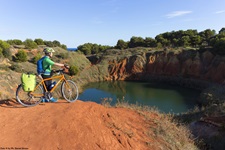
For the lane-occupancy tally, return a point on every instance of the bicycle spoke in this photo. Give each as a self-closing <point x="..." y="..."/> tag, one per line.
<point x="69" y="91"/>
<point x="27" y="98"/>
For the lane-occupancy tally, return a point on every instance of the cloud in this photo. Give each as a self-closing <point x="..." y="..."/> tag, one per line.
<point x="220" y="12"/>
<point x="177" y="13"/>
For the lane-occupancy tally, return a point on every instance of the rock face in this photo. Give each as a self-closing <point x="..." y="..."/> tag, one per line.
<point x="194" y="65"/>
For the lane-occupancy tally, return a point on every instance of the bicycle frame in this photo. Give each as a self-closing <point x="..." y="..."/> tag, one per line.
<point x="60" y="79"/>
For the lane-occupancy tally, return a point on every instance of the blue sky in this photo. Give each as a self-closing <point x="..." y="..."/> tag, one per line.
<point x="75" y="22"/>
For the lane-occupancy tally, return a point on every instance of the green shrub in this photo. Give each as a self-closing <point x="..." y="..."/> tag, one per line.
<point x="30" y="44"/>
<point x="73" y="70"/>
<point x="64" y="46"/>
<point x="21" y="56"/>
<point x="63" y="55"/>
<point x="39" y="41"/>
<point x="4" y="49"/>
<point x="7" y="53"/>
<point x="36" y="58"/>
<point x="16" y="67"/>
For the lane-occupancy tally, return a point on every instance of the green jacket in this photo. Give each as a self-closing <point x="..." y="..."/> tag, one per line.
<point x="47" y="65"/>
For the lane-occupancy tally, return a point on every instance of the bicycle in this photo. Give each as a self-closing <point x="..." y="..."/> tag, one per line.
<point x="68" y="90"/>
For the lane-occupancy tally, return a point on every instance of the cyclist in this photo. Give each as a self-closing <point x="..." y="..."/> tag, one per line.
<point x="47" y="66"/>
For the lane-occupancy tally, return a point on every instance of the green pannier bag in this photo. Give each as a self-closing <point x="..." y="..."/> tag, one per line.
<point x="28" y="81"/>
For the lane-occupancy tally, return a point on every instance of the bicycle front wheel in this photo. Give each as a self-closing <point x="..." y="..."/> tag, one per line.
<point x="69" y="91"/>
<point x="29" y="99"/>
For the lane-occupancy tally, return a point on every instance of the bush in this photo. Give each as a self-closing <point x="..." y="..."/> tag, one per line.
<point x="4" y="48"/>
<point x="73" y="70"/>
<point x="30" y="44"/>
<point x="21" y="56"/>
<point x="14" y="42"/>
<point x="16" y="67"/>
<point x="64" y="46"/>
<point x="39" y="41"/>
<point x="7" y="53"/>
<point x="36" y="58"/>
<point x="63" y="55"/>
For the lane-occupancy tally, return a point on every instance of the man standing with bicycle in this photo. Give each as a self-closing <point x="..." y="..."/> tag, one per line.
<point x="47" y="67"/>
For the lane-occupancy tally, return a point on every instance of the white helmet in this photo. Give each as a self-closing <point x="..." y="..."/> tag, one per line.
<point x="48" y="50"/>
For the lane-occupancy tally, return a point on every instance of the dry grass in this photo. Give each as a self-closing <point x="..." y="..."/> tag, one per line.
<point x="171" y="134"/>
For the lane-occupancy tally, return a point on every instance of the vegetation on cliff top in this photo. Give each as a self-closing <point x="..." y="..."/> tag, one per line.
<point x="174" y="39"/>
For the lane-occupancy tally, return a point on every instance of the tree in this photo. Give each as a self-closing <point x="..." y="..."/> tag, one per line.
<point x="39" y="41"/>
<point x="64" y="46"/>
<point x="213" y="41"/>
<point x="207" y="34"/>
<point x="222" y="31"/>
<point x="4" y="45"/>
<point x="89" y="48"/>
<point x="160" y="39"/>
<point x="195" y="40"/>
<point x="48" y="43"/>
<point x="121" y="44"/>
<point x="136" y="41"/>
<point x="102" y="48"/>
<point x="30" y="44"/>
<point x="56" y="43"/>
<point x="185" y="40"/>
<point x="219" y="47"/>
<point x="14" y="42"/>
<point x="150" y="42"/>
<point x="85" y="48"/>
<point x="95" y="49"/>
<point x="175" y="42"/>
<point x="191" y="33"/>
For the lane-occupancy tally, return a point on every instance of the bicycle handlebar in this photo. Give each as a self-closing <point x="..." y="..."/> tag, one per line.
<point x="66" y="66"/>
<point x="60" y="71"/>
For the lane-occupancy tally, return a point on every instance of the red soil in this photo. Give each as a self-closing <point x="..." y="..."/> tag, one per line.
<point x="78" y="125"/>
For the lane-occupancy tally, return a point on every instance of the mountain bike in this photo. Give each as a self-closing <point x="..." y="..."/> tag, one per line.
<point x="68" y="90"/>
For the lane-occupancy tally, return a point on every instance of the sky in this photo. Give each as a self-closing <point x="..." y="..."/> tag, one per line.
<point x="104" y="22"/>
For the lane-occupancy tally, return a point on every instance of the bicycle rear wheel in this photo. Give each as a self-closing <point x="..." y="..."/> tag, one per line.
<point x="69" y="91"/>
<point x="29" y="99"/>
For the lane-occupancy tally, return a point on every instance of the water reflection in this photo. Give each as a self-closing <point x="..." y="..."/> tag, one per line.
<point x="165" y="97"/>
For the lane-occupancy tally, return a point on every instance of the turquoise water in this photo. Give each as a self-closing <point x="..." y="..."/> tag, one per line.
<point x="166" y="98"/>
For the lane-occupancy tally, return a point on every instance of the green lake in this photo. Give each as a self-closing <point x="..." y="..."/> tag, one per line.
<point x="166" y="98"/>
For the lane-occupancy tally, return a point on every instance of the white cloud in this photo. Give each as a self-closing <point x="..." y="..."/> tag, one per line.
<point x="177" y="13"/>
<point x="220" y="12"/>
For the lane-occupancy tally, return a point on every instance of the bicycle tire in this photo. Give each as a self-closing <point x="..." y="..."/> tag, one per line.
<point x="69" y="91"/>
<point x="26" y="99"/>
